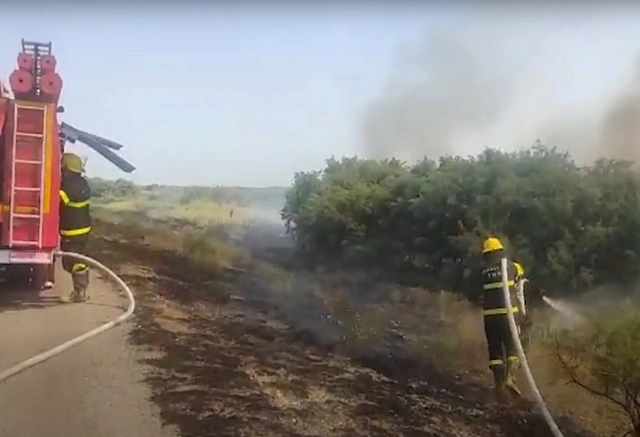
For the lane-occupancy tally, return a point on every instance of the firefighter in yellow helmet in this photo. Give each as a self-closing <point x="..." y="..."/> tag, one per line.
<point x="523" y="316"/>
<point x="503" y="356"/>
<point x="519" y="270"/>
<point x="75" y="222"/>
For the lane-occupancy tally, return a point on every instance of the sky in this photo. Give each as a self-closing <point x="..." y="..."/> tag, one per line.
<point x="249" y="95"/>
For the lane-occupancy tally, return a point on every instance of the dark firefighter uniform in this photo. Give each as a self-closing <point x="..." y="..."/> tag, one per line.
<point x="503" y="355"/>
<point x="75" y="222"/>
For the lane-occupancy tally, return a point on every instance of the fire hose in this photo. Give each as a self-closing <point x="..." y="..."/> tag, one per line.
<point x="553" y="426"/>
<point x="44" y="356"/>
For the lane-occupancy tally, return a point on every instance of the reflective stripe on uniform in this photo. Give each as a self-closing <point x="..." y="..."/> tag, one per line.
<point x="496" y="363"/>
<point x="498" y="311"/>
<point x="75" y="232"/>
<point x="69" y="203"/>
<point x="64" y="197"/>
<point x="494" y="285"/>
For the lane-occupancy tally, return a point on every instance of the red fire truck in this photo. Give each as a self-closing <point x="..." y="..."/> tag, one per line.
<point x="31" y="143"/>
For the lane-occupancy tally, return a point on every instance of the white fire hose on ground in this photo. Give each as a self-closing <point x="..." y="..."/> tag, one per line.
<point x="523" y="359"/>
<point x="40" y="358"/>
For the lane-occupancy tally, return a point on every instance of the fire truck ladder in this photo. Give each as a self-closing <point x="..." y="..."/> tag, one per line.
<point x="38" y="50"/>
<point x="24" y="141"/>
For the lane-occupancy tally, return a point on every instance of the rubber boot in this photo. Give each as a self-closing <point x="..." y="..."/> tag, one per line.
<point x="85" y="292"/>
<point x="80" y="284"/>
<point x="498" y="382"/>
<point x="510" y="381"/>
<point x="71" y="297"/>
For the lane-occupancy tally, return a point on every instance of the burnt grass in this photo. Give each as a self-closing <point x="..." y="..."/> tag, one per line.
<point x="224" y="360"/>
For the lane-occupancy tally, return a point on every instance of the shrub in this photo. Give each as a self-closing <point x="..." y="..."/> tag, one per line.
<point x="603" y="358"/>
<point x="572" y="227"/>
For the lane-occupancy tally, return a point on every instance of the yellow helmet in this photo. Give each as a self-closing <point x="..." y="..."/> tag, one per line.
<point x="519" y="268"/>
<point x="72" y="162"/>
<point x="491" y="244"/>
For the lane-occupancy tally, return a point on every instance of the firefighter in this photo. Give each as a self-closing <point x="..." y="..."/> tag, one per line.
<point x="523" y="316"/>
<point x="503" y="355"/>
<point x="75" y="222"/>
<point x="519" y="282"/>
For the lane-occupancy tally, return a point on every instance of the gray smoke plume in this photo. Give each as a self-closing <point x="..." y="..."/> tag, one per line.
<point x="620" y="124"/>
<point x="452" y="86"/>
<point x="612" y="131"/>
<point x="444" y="87"/>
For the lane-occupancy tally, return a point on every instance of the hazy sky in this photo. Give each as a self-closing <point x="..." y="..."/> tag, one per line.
<point x="248" y="96"/>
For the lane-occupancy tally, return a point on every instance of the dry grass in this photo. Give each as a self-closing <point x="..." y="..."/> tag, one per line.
<point x="198" y="212"/>
<point x="279" y="279"/>
<point x="207" y="252"/>
<point x="446" y="332"/>
<point x="594" y="413"/>
<point x="437" y="329"/>
<point x="210" y="213"/>
<point x="204" y="252"/>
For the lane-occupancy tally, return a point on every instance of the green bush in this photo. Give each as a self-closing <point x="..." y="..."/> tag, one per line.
<point x="573" y="227"/>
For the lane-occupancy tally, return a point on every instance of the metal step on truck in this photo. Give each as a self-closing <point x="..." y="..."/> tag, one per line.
<point x="32" y="141"/>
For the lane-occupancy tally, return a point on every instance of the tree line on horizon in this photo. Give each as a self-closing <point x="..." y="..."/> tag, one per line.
<point x="108" y="190"/>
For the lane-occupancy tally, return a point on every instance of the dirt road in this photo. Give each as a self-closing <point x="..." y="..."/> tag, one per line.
<point x="94" y="389"/>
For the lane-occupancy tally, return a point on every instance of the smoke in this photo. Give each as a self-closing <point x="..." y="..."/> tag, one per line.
<point x="620" y="125"/>
<point x="459" y="92"/>
<point x="611" y="131"/>
<point x="443" y="88"/>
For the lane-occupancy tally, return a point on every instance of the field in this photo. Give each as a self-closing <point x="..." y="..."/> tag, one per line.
<point x="197" y="205"/>
<point x="243" y="343"/>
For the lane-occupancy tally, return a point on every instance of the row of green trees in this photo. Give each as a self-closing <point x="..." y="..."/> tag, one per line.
<point x="572" y="227"/>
